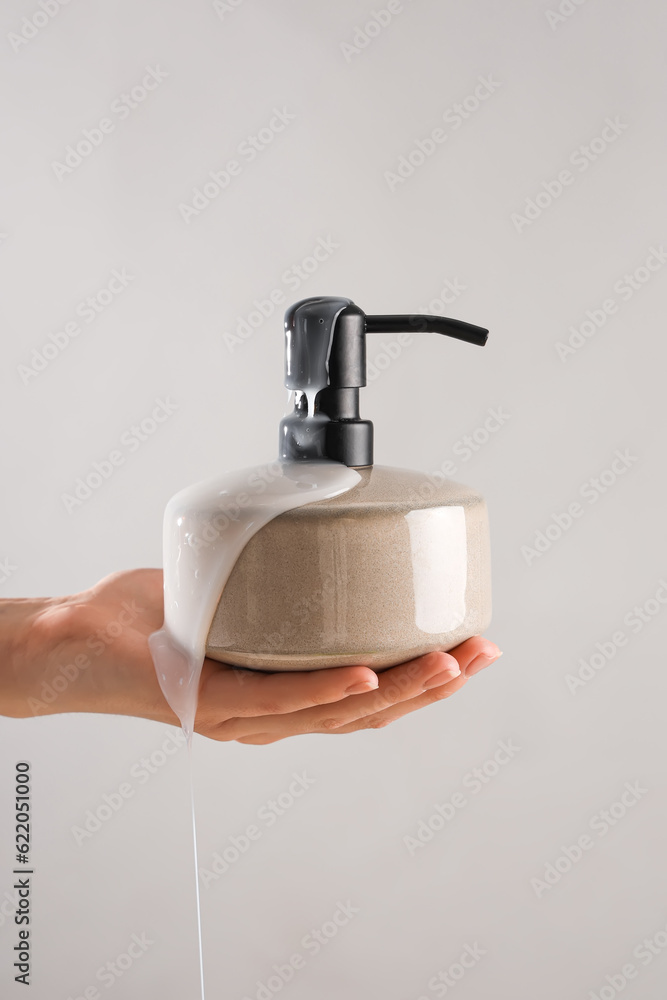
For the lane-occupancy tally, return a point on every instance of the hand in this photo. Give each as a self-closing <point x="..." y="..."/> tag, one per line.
<point x="89" y="653"/>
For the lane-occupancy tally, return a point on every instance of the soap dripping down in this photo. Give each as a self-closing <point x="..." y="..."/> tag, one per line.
<point x="207" y="526"/>
<point x="310" y="395"/>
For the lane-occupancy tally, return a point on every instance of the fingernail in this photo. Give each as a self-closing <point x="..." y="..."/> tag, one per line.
<point x="362" y="686"/>
<point x="481" y="661"/>
<point x="441" y="678"/>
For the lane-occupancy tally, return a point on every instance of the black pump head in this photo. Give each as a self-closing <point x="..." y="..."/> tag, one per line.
<point x="325" y="365"/>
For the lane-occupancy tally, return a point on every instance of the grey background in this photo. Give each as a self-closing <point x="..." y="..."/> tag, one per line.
<point x="324" y="176"/>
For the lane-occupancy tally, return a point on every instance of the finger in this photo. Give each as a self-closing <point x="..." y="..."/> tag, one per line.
<point x="227" y="691"/>
<point x="477" y="655"/>
<point x="468" y="654"/>
<point x="394" y="685"/>
<point x="379" y="720"/>
<point x="408" y="681"/>
<point x="397" y="685"/>
<point x="472" y="649"/>
<point x="390" y="715"/>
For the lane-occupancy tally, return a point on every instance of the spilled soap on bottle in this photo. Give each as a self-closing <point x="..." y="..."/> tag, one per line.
<point x="206" y="527"/>
<point x="201" y="545"/>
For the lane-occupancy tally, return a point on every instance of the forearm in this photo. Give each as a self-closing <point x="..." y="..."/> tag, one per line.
<point x="84" y="653"/>
<point x="33" y="636"/>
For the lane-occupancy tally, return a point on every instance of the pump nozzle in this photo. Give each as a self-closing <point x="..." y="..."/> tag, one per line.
<point x="325" y="365"/>
<point x="428" y="324"/>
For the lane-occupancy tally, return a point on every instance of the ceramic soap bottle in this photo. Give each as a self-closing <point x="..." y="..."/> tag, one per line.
<point x="395" y="567"/>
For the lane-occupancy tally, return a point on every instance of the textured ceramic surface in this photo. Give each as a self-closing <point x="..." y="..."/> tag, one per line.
<point x="393" y="568"/>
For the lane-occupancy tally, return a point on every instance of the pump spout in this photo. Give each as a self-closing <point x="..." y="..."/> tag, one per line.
<point x="418" y="323"/>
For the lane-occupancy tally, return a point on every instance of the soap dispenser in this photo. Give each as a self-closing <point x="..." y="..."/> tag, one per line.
<point x="395" y="566"/>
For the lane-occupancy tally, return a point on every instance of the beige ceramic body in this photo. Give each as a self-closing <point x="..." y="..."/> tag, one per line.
<point x="394" y="568"/>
